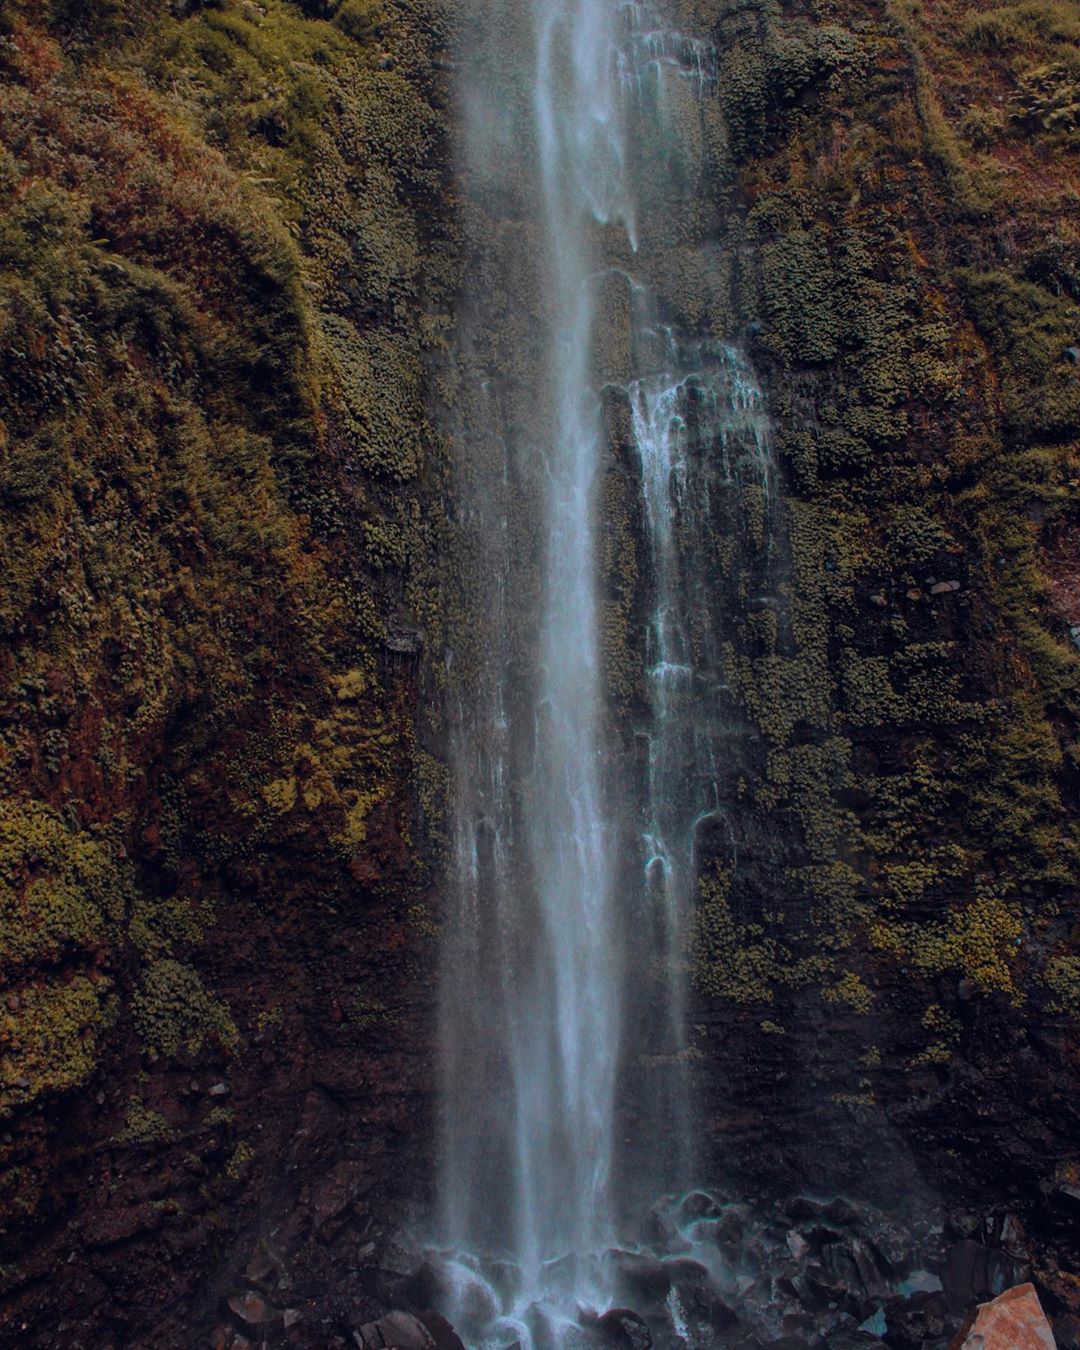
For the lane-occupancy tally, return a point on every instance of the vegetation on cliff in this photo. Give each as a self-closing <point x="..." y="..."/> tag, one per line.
<point x="219" y="275"/>
<point x="899" y="223"/>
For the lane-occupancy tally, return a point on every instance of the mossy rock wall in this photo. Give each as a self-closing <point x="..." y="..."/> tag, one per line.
<point x="224" y="265"/>
<point x="898" y="225"/>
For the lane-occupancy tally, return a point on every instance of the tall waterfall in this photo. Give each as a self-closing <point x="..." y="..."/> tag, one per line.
<point x="562" y="986"/>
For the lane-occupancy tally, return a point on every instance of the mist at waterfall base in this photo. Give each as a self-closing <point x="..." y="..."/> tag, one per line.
<point x="568" y="1206"/>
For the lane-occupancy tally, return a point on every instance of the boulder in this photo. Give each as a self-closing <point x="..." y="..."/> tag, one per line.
<point x="252" y="1309"/>
<point x="626" y="1329"/>
<point x="1012" y="1321"/>
<point x="643" y="1277"/>
<point x="338" y="1190"/>
<point x="440" y="1330"/>
<point x="395" y="1331"/>
<point x="973" y="1272"/>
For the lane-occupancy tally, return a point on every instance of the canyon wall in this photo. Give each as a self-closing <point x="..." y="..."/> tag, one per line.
<point x="231" y="251"/>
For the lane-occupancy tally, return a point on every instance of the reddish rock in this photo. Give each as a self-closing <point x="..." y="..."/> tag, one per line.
<point x="1012" y="1321"/>
<point x="335" y="1192"/>
<point x="252" y="1309"/>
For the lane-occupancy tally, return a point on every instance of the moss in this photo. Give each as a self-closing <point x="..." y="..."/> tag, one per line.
<point x="50" y="1037"/>
<point x="1062" y="978"/>
<point x="1020" y="25"/>
<point x="143" y="1126"/>
<point x="240" y="1160"/>
<point x="979" y="941"/>
<point x="172" y="1009"/>
<point x="728" y="961"/>
<point x="1031" y="328"/>
<point x="59" y="888"/>
<point x="850" y="990"/>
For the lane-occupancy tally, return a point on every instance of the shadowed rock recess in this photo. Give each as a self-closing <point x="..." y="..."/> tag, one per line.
<point x="282" y="981"/>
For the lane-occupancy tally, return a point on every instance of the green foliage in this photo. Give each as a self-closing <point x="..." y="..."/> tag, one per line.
<point x="1030" y="328"/>
<point x="979" y="941"/>
<point x="1017" y="25"/>
<point x="50" y="1037"/>
<point x="143" y="1126"/>
<point x="60" y="889"/>
<point x="173" y="1009"/>
<point x="730" y="961"/>
<point x="1050" y="96"/>
<point x="1062" y="978"/>
<point x="849" y="990"/>
<point x="768" y="66"/>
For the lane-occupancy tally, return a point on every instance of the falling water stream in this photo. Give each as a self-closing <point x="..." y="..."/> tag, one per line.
<point x="571" y="875"/>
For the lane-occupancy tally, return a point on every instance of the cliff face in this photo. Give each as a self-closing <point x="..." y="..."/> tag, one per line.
<point x="895" y="219"/>
<point x="229" y="253"/>
<point x="223" y="262"/>
<point x="885" y="959"/>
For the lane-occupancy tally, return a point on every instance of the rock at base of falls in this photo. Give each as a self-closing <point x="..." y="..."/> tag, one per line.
<point x="1012" y="1321"/>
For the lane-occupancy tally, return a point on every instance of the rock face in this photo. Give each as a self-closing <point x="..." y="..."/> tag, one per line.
<point x="226" y="536"/>
<point x="1013" y="1321"/>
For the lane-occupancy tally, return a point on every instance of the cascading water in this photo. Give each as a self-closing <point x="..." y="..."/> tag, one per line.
<point x="698" y="423"/>
<point x="573" y="873"/>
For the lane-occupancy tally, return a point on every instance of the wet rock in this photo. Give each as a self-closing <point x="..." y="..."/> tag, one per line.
<point x="923" y="1318"/>
<point x="645" y="1277"/>
<point x="699" y="1205"/>
<point x="698" y="1297"/>
<point x="395" y="1331"/>
<point x="842" y="1212"/>
<point x="660" y="1233"/>
<point x="440" y="1330"/>
<point x="802" y="1326"/>
<point x="624" y="1328"/>
<point x="962" y="1224"/>
<point x="263" y="1268"/>
<point x="1013" y="1239"/>
<point x="1012" y="1321"/>
<point x="801" y="1209"/>
<point x="973" y="1273"/>
<point x="944" y="587"/>
<point x="871" y="1276"/>
<point x="797" y="1245"/>
<point x="252" y="1308"/>
<point x="338" y="1190"/>
<point x="1067" y="1331"/>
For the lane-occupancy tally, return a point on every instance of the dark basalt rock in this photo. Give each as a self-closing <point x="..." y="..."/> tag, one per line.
<point x="440" y="1331"/>
<point x="974" y="1273"/>
<point x="625" y="1328"/>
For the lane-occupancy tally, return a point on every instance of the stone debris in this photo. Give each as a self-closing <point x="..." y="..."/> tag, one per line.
<point x="1012" y="1321"/>
<point x="395" y="1331"/>
<point x="252" y="1309"/>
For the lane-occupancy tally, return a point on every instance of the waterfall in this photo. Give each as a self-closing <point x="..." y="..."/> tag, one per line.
<point x="573" y="873"/>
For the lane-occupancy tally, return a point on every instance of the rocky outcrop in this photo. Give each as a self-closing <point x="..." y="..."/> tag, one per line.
<point x="220" y="234"/>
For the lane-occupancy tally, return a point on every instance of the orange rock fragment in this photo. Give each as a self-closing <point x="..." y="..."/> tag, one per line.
<point x="1012" y="1321"/>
